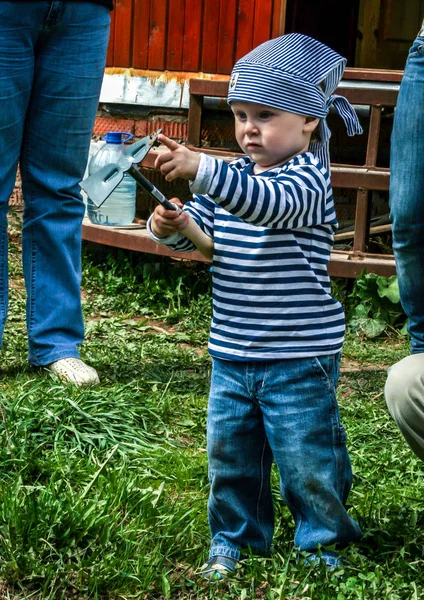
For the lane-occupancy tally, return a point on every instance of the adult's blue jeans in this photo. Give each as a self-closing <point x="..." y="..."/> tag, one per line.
<point x="52" y="59"/>
<point x="407" y="192"/>
<point x="286" y="411"/>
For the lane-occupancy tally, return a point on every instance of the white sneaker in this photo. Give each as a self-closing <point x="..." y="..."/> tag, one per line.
<point x="74" y="370"/>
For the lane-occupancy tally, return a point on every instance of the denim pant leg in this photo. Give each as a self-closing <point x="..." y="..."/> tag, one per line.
<point x="240" y="505"/>
<point x="406" y="192"/>
<point x="303" y="427"/>
<point x="16" y="73"/>
<point x="64" y="48"/>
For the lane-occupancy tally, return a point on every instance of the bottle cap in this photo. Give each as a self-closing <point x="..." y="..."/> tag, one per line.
<point x="115" y="137"/>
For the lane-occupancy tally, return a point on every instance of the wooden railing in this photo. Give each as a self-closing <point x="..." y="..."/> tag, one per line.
<point x="360" y="87"/>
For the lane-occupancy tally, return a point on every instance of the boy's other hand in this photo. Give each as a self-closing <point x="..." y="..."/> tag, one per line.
<point x="178" y="162"/>
<point x="166" y="222"/>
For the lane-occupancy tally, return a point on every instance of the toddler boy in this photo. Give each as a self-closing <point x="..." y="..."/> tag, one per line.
<point x="276" y="332"/>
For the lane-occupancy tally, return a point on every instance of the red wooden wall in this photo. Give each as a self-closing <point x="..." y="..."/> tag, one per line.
<point x="190" y="35"/>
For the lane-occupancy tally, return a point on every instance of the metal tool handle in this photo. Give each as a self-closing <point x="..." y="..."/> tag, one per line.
<point x="151" y="189"/>
<point x="193" y="232"/>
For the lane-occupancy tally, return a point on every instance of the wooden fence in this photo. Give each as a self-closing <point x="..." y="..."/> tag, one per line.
<point x="190" y="35"/>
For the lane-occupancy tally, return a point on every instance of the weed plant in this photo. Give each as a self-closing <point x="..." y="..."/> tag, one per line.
<point x="104" y="490"/>
<point x="372" y="304"/>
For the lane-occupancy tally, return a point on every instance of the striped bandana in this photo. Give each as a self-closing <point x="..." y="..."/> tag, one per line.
<point x="298" y="74"/>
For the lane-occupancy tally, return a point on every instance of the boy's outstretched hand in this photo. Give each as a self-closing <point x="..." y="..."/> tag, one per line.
<point x="178" y="162"/>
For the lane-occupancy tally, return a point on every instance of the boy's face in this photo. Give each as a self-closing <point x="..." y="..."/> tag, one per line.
<point x="269" y="136"/>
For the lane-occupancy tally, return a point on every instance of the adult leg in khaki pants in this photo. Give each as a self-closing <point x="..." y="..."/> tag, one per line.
<point x="404" y="393"/>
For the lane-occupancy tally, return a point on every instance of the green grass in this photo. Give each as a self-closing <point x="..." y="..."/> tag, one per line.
<point x="103" y="490"/>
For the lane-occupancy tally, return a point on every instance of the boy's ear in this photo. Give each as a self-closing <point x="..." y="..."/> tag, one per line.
<point x="311" y="123"/>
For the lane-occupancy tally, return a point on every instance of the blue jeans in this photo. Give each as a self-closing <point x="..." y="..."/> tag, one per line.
<point x="52" y="59"/>
<point x="407" y="192"/>
<point x="286" y="411"/>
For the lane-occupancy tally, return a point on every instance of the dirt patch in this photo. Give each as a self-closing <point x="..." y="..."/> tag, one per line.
<point x="356" y="366"/>
<point x="7" y="593"/>
<point x="155" y="325"/>
<point x="198" y="351"/>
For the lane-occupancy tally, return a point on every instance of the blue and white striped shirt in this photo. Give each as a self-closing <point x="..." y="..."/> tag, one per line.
<point x="273" y="234"/>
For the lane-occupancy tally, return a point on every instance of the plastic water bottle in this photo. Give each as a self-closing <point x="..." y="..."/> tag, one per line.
<point x="119" y="207"/>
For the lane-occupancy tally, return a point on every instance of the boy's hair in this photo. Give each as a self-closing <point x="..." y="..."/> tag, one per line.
<point x="298" y="74"/>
